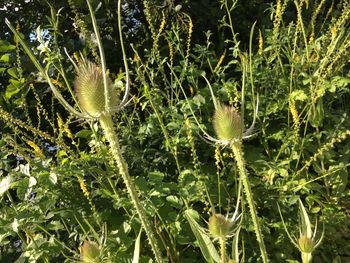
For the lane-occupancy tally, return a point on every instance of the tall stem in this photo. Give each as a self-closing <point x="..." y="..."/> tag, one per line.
<point x="238" y="153"/>
<point x="223" y="250"/>
<point x="107" y="126"/>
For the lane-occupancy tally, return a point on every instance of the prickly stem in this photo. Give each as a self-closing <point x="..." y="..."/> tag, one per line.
<point x="238" y="153"/>
<point x="107" y="126"/>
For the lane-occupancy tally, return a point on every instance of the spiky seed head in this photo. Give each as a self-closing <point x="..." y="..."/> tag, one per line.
<point x="227" y="123"/>
<point x="306" y="244"/>
<point x="89" y="252"/>
<point x="219" y="226"/>
<point x="90" y="90"/>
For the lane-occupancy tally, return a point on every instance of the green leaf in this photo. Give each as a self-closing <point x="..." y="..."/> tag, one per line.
<point x="174" y="201"/>
<point x="84" y="134"/>
<point x="12" y="72"/>
<point x="317" y="114"/>
<point x="136" y="256"/>
<point x="298" y="95"/>
<point x="156" y="177"/>
<point x="5" y="46"/>
<point x="207" y="248"/>
<point x="5" y="58"/>
<point x="5" y="184"/>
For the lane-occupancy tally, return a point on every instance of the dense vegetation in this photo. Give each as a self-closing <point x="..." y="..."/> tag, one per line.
<point x="231" y="146"/>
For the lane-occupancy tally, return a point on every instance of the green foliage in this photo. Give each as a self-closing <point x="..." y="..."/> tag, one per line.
<point x="59" y="186"/>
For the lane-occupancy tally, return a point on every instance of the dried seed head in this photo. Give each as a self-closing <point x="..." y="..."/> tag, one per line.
<point x="219" y="226"/>
<point x="89" y="252"/>
<point x="90" y="90"/>
<point x="227" y="123"/>
<point x="306" y="244"/>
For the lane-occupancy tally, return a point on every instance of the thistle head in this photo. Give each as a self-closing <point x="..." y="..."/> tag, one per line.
<point x="220" y="226"/>
<point x="90" y="91"/>
<point x="227" y="123"/>
<point x="89" y="252"/>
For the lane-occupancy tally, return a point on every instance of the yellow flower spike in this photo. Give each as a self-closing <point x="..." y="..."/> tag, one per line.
<point x="36" y="149"/>
<point x="261" y="43"/>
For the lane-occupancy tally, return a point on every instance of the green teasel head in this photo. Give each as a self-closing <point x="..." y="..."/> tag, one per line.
<point x="227" y="123"/>
<point x="306" y="244"/>
<point x="220" y="226"/>
<point x="89" y="252"/>
<point x="90" y="90"/>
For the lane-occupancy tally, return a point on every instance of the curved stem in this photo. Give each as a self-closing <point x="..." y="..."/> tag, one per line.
<point x="107" y="126"/>
<point x="237" y="151"/>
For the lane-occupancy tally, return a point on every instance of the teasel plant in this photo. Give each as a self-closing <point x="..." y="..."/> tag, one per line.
<point x="228" y="124"/>
<point x="229" y="128"/>
<point x="220" y="228"/>
<point x="306" y="243"/>
<point x="97" y="100"/>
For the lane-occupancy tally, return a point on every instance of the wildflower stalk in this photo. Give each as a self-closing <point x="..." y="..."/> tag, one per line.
<point x="238" y="154"/>
<point x="107" y="126"/>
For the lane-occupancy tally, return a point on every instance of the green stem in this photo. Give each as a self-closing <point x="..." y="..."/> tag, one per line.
<point x="237" y="151"/>
<point x="223" y="250"/>
<point x="306" y="257"/>
<point x="107" y="125"/>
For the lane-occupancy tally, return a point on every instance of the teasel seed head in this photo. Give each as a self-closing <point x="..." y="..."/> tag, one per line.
<point x="89" y="252"/>
<point x="227" y="123"/>
<point x="90" y="89"/>
<point x="306" y="244"/>
<point x="220" y="226"/>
